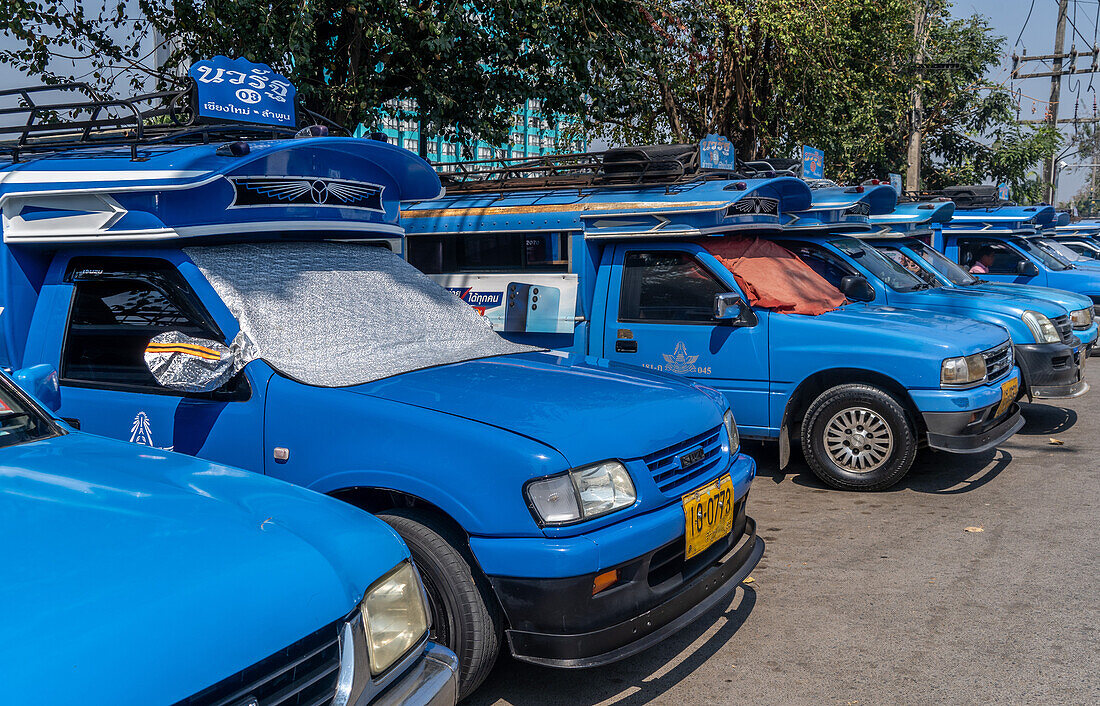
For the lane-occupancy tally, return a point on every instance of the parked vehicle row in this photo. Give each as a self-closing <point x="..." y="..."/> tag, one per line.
<point x="552" y="457"/>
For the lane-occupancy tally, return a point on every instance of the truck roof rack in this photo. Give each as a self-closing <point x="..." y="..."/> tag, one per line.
<point x="622" y="167"/>
<point x="970" y="197"/>
<point x="74" y="115"/>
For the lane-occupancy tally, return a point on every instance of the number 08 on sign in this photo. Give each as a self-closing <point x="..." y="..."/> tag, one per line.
<point x="708" y="515"/>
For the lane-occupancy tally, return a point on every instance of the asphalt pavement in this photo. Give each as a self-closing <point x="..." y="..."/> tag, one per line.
<point x="975" y="580"/>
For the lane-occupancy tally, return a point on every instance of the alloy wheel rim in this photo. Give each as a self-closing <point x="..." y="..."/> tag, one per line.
<point x="858" y="439"/>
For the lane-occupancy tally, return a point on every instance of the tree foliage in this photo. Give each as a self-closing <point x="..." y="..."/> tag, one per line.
<point x="836" y="74"/>
<point x="467" y="64"/>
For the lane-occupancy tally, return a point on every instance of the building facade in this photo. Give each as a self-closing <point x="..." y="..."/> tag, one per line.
<point x="532" y="134"/>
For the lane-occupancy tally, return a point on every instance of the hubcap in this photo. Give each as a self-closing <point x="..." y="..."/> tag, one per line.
<point x="858" y="440"/>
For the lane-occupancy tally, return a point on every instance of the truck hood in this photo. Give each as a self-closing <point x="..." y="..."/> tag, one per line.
<point x="962" y="301"/>
<point x="119" y="559"/>
<point x="942" y="334"/>
<point x="1068" y="300"/>
<point x="586" y="412"/>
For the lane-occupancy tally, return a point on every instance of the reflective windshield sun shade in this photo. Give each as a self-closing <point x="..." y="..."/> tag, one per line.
<point x="336" y="314"/>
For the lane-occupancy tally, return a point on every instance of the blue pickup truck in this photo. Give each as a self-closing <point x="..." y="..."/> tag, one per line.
<point x="632" y="229"/>
<point x="908" y="244"/>
<point x="1048" y="353"/>
<point x="1080" y="237"/>
<point x="1006" y="234"/>
<point x="138" y="576"/>
<point x="243" y="300"/>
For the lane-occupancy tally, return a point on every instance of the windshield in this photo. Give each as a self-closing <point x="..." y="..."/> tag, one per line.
<point x="19" y="420"/>
<point x="895" y="253"/>
<point x="894" y="275"/>
<point x="1056" y="248"/>
<point x="1046" y="257"/>
<point x="945" y="267"/>
<point x="335" y="314"/>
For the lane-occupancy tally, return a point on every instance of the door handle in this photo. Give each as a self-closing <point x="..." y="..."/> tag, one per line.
<point x="625" y="346"/>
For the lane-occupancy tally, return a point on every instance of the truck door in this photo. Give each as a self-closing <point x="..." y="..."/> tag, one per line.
<point x="1008" y="264"/>
<point x="660" y="315"/>
<point x="116" y="306"/>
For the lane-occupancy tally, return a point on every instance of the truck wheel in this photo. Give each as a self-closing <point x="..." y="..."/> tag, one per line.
<point x="857" y="437"/>
<point x="464" y="612"/>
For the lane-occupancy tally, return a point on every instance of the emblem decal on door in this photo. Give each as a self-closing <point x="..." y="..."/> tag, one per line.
<point x="681" y="363"/>
<point x="141" y="432"/>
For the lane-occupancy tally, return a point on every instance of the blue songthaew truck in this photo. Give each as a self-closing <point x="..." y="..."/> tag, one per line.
<point x="235" y="292"/>
<point x="1006" y="236"/>
<point x="628" y="238"/>
<point x="1048" y="353"/>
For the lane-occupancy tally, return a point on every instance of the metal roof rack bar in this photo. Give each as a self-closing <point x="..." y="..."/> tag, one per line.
<point x="621" y="167"/>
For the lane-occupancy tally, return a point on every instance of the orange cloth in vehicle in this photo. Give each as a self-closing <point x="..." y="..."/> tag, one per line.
<point x="773" y="277"/>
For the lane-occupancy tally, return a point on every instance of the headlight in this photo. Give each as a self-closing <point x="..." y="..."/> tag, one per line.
<point x="963" y="371"/>
<point x="582" y="494"/>
<point x="1041" y="327"/>
<point x="731" y="431"/>
<point x="394" y="617"/>
<point x="1082" y="318"/>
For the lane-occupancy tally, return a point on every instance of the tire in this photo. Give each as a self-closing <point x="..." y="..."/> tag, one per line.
<point x="465" y="615"/>
<point x="874" y="443"/>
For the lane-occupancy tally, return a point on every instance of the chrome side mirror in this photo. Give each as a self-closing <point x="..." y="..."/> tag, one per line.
<point x="732" y="308"/>
<point x="188" y="364"/>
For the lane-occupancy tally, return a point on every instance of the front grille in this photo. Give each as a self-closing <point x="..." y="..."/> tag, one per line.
<point x="667" y="473"/>
<point x="1064" y="326"/>
<point x="303" y="674"/>
<point x="998" y="361"/>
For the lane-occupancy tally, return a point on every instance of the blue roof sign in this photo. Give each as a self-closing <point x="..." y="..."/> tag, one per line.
<point x="813" y="163"/>
<point x="716" y="152"/>
<point x="895" y="181"/>
<point x="1002" y="192"/>
<point x="239" y="91"/>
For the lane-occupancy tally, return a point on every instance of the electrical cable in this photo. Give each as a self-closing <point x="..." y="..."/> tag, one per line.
<point x="1025" y="24"/>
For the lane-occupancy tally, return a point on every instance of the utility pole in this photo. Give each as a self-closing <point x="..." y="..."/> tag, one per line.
<point x="1050" y="165"/>
<point x="916" y="117"/>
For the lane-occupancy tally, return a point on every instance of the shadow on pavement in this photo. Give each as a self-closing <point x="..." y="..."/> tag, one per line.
<point x="636" y="680"/>
<point x="1042" y="419"/>
<point x="935" y="472"/>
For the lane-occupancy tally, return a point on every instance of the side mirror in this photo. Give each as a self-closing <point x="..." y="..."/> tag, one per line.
<point x="732" y="308"/>
<point x="1026" y="268"/>
<point x="40" y="381"/>
<point x="188" y="364"/>
<point x="857" y="288"/>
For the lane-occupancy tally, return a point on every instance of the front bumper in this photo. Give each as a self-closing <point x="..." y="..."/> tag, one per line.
<point x="971" y="432"/>
<point x="432" y="680"/>
<point x="559" y="623"/>
<point x="1051" y="370"/>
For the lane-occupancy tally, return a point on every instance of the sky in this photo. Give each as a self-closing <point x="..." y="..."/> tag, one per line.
<point x="1008" y="18"/>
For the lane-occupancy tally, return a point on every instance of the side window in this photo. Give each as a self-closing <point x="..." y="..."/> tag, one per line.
<point x="831" y="268"/>
<point x="1005" y="258"/>
<point x="909" y="264"/>
<point x="489" y="252"/>
<point x="667" y="287"/>
<point x="113" y="315"/>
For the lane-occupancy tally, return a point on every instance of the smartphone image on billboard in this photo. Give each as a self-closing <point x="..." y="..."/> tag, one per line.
<point x="531" y="307"/>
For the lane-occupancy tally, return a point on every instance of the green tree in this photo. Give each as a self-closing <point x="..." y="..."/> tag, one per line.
<point x="970" y="127"/>
<point x="466" y="64"/>
<point x="775" y="74"/>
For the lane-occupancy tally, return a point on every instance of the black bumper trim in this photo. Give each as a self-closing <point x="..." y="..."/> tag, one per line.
<point x="941" y="435"/>
<point x="1049" y="370"/>
<point x="611" y="644"/>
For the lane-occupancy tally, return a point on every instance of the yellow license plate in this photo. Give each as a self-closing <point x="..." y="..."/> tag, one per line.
<point x="708" y="515"/>
<point x="1009" y="390"/>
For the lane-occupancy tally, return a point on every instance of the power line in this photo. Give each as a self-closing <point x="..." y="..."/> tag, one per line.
<point x="1025" y="24"/>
